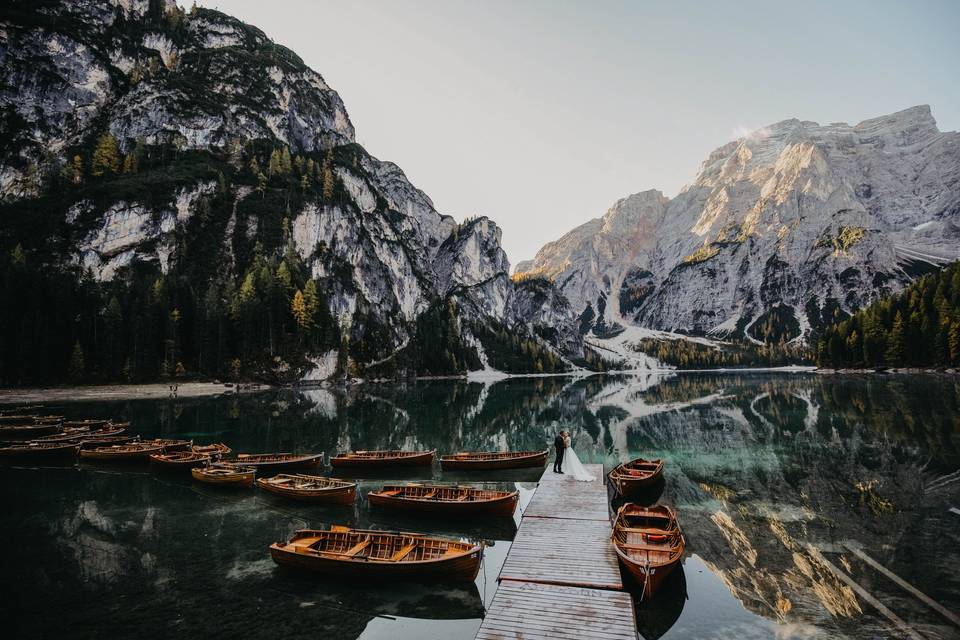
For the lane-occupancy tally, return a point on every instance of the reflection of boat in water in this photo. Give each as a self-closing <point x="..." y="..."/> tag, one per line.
<point x="647" y="496"/>
<point x="656" y="616"/>
<point x="460" y="601"/>
<point x="366" y="554"/>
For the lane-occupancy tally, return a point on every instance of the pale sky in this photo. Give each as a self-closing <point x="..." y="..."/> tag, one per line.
<point x="540" y="115"/>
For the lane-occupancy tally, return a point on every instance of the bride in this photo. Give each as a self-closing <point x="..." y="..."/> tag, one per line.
<point x="572" y="462"/>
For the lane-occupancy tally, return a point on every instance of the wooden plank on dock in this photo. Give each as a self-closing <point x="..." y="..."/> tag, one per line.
<point x="561" y="579"/>
<point x="558" y="551"/>
<point x="541" y="611"/>
<point x="560" y="496"/>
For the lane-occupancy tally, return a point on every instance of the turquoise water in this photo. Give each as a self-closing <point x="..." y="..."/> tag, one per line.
<point x="773" y="475"/>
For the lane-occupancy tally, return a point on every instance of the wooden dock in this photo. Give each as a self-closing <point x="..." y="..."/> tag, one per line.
<point x="561" y="579"/>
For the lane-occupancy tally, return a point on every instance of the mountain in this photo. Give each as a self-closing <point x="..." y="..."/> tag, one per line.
<point x="178" y="191"/>
<point x="782" y="231"/>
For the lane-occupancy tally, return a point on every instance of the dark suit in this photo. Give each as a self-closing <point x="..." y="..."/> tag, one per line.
<point x="559" y="445"/>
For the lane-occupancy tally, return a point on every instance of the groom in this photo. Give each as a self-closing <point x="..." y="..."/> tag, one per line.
<point x="559" y="445"/>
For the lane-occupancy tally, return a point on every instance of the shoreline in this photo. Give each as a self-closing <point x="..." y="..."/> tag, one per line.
<point x="161" y="391"/>
<point x="92" y="393"/>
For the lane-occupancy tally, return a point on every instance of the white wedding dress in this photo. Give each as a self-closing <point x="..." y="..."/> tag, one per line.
<point x="574" y="467"/>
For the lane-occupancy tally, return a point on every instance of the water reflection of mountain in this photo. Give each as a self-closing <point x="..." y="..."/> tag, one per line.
<point x="765" y="470"/>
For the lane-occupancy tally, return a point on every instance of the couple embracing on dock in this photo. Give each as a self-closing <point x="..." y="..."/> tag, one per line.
<point x="563" y="444"/>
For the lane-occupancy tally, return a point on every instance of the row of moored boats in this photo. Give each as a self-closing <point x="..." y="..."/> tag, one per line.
<point x="338" y="551"/>
<point x="648" y="540"/>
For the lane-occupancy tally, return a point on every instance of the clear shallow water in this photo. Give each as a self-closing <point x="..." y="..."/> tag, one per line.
<point x="771" y="474"/>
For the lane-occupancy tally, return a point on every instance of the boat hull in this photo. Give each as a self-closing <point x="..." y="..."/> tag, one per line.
<point x="25" y="432"/>
<point x="424" y="459"/>
<point x="630" y="486"/>
<point x="496" y="507"/>
<point x="238" y="481"/>
<point x="338" y="495"/>
<point x="181" y="466"/>
<point x="638" y="574"/>
<point x="649" y="544"/>
<point x="279" y="466"/>
<point x="463" y="568"/>
<point x="58" y="451"/>
<point x="139" y="455"/>
<point x="450" y="463"/>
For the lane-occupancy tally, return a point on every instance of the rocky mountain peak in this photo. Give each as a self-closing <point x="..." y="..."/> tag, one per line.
<point x="634" y="211"/>
<point x="157" y="145"/>
<point x="797" y="219"/>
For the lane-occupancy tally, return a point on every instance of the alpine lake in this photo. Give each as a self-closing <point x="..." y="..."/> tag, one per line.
<point x="776" y="477"/>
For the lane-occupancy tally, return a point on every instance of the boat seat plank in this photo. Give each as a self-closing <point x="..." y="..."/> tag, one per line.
<point x="403" y="553"/>
<point x="357" y="548"/>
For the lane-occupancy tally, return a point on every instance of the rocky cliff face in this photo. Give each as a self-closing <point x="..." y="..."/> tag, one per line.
<point x="780" y="231"/>
<point x="207" y="98"/>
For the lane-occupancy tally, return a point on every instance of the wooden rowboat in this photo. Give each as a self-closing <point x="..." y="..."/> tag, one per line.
<point x="90" y="424"/>
<point x="19" y="412"/>
<point x="169" y="446"/>
<point x="445" y="500"/>
<point x="78" y="434"/>
<point x="310" y="488"/>
<point x="378" y="556"/>
<point x="40" y="449"/>
<point x="631" y="478"/>
<point x="378" y="459"/>
<point x="485" y="461"/>
<point x="215" y="451"/>
<point x="276" y="462"/>
<point x="649" y="544"/>
<point x="95" y="440"/>
<point x="122" y="452"/>
<point x="28" y="431"/>
<point x="179" y="460"/>
<point x="69" y="434"/>
<point x="225" y="475"/>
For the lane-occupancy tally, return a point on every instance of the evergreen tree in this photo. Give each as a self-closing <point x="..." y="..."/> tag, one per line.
<point x="77" y="366"/>
<point x="896" y="343"/>
<point x="299" y="310"/>
<point x="77" y="169"/>
<point x="953" y="340"/>
<point x="328" y="176"/>
<point x="106" y="156"/>
<point x="284" y="279"/>
<point x="311" y="301"/>
<point x="274" y="168"/>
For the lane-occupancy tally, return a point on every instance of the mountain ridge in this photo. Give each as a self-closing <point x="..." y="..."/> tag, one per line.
<point x="185" y="161"/>
<point x="795" y="220"/>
